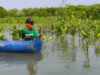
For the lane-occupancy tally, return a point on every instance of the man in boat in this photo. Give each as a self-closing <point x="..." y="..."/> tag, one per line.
<point x="28" y="33"/>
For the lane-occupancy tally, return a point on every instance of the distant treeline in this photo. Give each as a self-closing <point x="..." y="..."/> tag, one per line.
<point x="80" y="12"/>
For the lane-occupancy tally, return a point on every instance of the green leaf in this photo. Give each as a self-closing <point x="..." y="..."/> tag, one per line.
<point x="44" y="38"/>
<point x="83" y="33"/>
<point x="0" y="28"/>
<point x="98" y="35"/>
<point x="1" y="36"/>
<point x="50" y="38"/>
<point x="65" y="29"/>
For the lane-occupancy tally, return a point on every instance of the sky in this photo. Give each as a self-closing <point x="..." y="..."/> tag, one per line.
<point x="20" y="4"/>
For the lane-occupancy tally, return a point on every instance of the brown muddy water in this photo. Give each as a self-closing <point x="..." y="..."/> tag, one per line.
<point x="65" y="56"/>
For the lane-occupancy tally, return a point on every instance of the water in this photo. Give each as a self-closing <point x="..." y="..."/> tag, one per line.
<point x="58" y="57"/>
<point x="7" y="36"/>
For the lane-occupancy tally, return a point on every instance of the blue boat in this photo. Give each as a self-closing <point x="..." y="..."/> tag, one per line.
<point x="21" y="46"/>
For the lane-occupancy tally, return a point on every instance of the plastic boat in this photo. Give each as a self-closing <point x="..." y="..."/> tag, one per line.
<point x="21" y="46"/>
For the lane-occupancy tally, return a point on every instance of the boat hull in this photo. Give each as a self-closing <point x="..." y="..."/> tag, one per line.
<point x="21" y="46"/>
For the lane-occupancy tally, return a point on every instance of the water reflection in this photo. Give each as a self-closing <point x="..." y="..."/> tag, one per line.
<point x="29" y="59"/>
<point x="86" y="61"/>
<point x="66" y="49"/>
<point x="70" y="51"/>
<point x="97" y="48"/>
<point x="31" y="69"/>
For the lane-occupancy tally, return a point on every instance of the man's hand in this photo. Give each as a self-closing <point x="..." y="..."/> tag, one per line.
<point x="39" y="36"/>
<point x="22" y="39"/>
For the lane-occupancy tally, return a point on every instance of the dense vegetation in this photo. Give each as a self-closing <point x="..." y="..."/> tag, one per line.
<point x="82" y="20"/>
<point x="80" y="11"/>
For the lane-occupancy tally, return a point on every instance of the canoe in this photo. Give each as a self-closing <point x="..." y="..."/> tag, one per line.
<point x="21" y="46"/>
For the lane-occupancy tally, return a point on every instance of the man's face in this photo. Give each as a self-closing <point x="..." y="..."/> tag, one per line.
<point x="29" y="25"/>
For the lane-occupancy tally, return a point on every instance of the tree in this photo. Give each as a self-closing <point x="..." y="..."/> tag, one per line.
<point x="13" y="12"/>
<point x="27" y="12"/>
<point x="3" y="12"/>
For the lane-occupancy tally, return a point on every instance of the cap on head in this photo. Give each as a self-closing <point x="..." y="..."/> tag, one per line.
<point x="30" y="21"/>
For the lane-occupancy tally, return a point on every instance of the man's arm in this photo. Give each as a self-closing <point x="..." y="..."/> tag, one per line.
<point x="21" y="35"/>
<point x="39" y="36"/>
